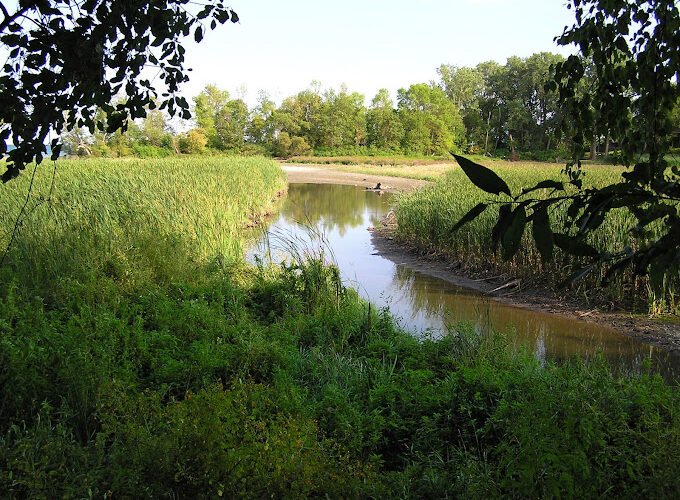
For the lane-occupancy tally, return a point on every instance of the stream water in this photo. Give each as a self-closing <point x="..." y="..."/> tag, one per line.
<point x="426" y="305"/>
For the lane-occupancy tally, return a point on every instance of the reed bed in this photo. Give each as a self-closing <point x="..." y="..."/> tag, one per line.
<point x="124" y="217"/>
<point x="427" y="217"/>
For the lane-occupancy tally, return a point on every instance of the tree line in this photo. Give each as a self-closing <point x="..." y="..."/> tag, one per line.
<point x="493" y="109"/>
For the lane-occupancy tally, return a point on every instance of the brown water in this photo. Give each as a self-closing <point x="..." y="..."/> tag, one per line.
<point x="426" y="305"/>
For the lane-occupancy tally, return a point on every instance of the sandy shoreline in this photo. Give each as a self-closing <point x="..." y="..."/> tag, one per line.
<point x="298" y="174"/>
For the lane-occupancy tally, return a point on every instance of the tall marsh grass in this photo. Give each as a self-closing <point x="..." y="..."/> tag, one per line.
<point x="125" y="217"/>
<point x="427" y="217"/>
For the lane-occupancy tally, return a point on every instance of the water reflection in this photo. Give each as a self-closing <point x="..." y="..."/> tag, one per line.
<point x="428" y="306"/>
<point x="337" y="210"/>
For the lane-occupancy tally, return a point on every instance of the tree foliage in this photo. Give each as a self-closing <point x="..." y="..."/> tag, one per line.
<point x="68" y="58"/>
<point x="635" y="50"/>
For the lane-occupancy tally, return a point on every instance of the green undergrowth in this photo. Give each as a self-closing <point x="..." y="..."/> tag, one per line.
<point x="171" y="373"/>
<point x="257" y="382"/>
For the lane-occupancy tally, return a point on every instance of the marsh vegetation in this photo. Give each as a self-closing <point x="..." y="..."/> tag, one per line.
<point x="141" y="357"/>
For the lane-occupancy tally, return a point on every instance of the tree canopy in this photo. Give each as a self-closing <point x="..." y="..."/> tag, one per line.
<point x="69" y="58"/>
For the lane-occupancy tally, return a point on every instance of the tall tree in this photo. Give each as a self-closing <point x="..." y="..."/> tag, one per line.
<point x="432" y="124"/>
<point x="261" y="127"/>
<point x="207" y="105"/>
<point x="384" y="128"/>
<point x="230" y="125"/>
<point x="299" y="116"/>
<point x="462" y="85"/>
<point x="342" y="119"/>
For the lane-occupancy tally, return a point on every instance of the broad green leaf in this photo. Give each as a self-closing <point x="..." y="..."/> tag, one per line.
<point x="482" y="177"/>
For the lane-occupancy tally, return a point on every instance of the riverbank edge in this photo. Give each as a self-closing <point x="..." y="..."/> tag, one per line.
<point x="663" y="333"/>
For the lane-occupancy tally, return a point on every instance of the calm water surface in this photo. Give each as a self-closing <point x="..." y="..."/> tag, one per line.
<point x="426" y="305"/>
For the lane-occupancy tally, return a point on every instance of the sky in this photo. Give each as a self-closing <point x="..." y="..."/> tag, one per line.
<point x="282" y="46"/>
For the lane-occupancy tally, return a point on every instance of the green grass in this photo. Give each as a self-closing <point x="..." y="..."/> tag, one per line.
<point x="428" y="216"/>
<point x="140" y="358"/>
<point x="119" y="217"/>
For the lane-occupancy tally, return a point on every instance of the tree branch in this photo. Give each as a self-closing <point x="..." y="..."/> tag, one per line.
<point x="9" y="19"/>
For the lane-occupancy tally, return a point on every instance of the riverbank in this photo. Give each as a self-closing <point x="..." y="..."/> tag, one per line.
<point x="660" y="332"/>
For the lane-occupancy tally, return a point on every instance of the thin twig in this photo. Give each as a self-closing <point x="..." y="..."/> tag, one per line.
<point x="17" y="223"/>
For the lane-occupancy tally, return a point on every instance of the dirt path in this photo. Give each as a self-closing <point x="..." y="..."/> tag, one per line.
<point x="664" y="334"/>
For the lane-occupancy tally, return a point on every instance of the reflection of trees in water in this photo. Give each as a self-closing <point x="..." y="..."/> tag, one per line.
<point x="436" y="298"/>
<point x="550" y="337"/>
<point x="331" y="206"/>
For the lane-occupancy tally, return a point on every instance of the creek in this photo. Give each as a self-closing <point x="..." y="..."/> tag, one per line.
<point x="336" y="218"/>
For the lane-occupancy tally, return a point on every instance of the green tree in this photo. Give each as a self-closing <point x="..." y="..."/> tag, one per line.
<point x="432" y="124"/>
<point x="261" y="127"/>
<point x="384" y="129"/>
<point x="207" y="105"/>
<point x="342" y="119"/>
<point x="230" y="125"/>
<point x="462" y="85"/>
<point x="193" y="142"/>
<point x="300" y="115"/>
<point x="154" y="130"/>
<point x="82" y="54"/>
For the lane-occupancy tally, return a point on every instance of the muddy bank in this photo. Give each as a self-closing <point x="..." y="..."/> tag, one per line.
<point x="662" y="333"/>
<point x="327" y="175"/>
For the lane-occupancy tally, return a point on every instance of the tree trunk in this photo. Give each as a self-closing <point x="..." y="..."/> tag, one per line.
<point x="488" y="128"/>
<point x="593" y="148"/>
<point x="606" y="144"/>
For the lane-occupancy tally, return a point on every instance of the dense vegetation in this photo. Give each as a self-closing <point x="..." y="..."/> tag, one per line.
<point x="66" y="59"/>
<point x="428" y="216"/>
<point x="140" y="358"/>
<point x="503" y="110"/>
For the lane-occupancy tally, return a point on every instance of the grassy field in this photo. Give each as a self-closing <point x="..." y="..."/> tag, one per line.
<point x="428" y="215"/>
<point x="141" y="358"/>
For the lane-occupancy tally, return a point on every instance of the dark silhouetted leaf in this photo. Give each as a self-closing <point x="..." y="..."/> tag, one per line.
<point x="482" y="177"/>
<point x="542" y="233"/>
<point x="547" y="184"/>
<point x="574" y="246"/>
<point x="576" y="276"/>
<point x="470" y="216"/>
<point x="617" y="268"/>
<point x="513" y="234"/>
<point x="501" y="225"/>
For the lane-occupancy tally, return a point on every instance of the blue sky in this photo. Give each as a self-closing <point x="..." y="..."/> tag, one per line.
<point x="281" y="46"/>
